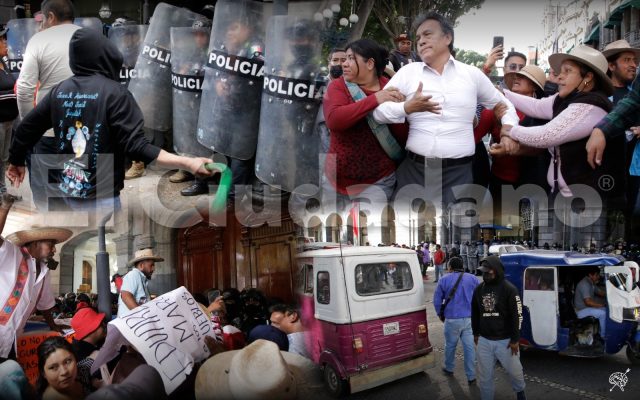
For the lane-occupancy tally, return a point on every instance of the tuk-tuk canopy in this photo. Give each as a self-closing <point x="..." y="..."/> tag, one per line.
<point x="557" y="258"/>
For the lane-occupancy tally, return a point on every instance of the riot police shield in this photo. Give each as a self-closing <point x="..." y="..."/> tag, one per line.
<point x="128" y="39"/>
<point x="230" y="107"/>
<point x="188" y="55"/>
<point x="18" y="35"/>
<point x="151" y="84"/>
<point x="288" y="143"/>
<point x="89" y="22"/>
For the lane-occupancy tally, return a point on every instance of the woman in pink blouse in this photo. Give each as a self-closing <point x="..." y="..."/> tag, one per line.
<point x="573" y="112"/>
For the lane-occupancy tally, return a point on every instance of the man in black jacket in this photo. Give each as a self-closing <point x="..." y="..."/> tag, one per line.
<point x="96" y="122"/>
<point x="496" y="316"/>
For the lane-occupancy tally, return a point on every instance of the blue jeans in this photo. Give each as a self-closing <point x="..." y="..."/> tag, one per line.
<point x="454" y="330"/>
<point x="487" y="352"/>
<point x="600" y="313"/>
<point x="439" y="271"/>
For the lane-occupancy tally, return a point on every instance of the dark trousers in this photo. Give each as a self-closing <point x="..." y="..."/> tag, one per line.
<point x="43" y="174"/>
<point x="433" y="183"/>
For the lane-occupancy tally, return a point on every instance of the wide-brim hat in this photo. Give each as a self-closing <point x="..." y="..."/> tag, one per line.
<point x="144" y="254"/>
<point x="532" y="72"/>
<point x="258" y="371"/>
<point x="619" y="46"/>
<point x="21" y="238"/>
<point x="590" y="57"/>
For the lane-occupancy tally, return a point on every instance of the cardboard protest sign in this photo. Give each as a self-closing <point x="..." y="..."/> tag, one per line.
<point x="27" y="355"/>
<point x="168" y="332"/>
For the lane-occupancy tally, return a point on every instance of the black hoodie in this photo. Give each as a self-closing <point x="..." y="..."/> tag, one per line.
<point x="496" y="310"/>
<point x="96" y="122"/>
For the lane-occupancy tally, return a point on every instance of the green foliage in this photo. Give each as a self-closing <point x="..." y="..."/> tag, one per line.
<point x="470" y="57"/>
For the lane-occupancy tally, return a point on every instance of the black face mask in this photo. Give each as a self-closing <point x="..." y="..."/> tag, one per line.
<point x="52" y="264"/>
<point x="335" y="71"/>
<point x="550" y="88"/>
<point x="488" y="277"/>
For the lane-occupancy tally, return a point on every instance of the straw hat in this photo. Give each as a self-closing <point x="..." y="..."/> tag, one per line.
<point x="21" y="238"/>
<point x="532" y="72"/>
<point x="619" y="46"/>
<point x="259" y="371"/>
<point x="144" y="254"/>
<point x="590" y="57"/>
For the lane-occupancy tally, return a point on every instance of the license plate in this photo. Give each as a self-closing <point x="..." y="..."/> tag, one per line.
<point x="391" y="328"/>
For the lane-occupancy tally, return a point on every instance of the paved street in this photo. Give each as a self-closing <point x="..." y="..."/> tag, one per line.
<point x="548" y="375"/>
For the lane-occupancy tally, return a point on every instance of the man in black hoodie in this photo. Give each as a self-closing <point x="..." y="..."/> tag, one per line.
<point x="96" y="123"/>
<point x="496" y="316"/>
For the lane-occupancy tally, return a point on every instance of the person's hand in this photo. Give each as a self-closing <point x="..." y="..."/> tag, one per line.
<point x="500" y="110"/>
<point x="421" y="103"/>
<point x="475" y="339"/>
<point x="595" y="148"/>
<point x="389" y="94"/>
<point x="514" y="348"/>
<point x="497" y="150"/>
<point x="214" y="346"/>
<point x="216" y="305"/>
<point x="7" y="201"/>
<point x="511" y="147"/>
<point x="195" y="165"/>
<point x="15" y="175"/>
<point x="494" y="55"/>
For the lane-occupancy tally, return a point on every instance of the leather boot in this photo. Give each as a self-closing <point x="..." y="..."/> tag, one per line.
<point x="136" y="170"/>
<point x="199" y="187"/>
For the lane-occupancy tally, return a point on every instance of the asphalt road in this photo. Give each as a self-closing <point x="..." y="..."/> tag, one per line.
<point x="548" y="375"/>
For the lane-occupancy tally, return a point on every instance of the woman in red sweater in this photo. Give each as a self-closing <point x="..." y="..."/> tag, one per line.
<point x="357" y="166"/>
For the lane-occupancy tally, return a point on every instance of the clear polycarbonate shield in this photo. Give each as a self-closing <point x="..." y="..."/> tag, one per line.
<point x="230" y="108"/>
<point x="289" y="143"/>
<point x="151" y="84"/>
<point x="189" y="49"/>
<point x="18" y="35"/>
<point x="129" y="40"/>
<point x="89" y="22"/>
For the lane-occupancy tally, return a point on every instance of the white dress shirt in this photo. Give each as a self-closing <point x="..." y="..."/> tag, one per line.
<point x="458" y="90"/>
<point x="46" y="60"/>
<point x="36" y="292"/>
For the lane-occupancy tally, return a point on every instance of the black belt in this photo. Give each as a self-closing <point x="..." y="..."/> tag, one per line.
<point x="434" y="161"/>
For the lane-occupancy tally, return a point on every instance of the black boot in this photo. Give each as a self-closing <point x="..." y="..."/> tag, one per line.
<point x="199" y="187"/>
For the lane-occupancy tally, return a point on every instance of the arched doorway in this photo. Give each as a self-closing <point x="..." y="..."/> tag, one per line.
<point x="332" y="227"/>
<point x="388" y="226"/>
<point x="87" y="277"/>
<point x="314" y="230"/>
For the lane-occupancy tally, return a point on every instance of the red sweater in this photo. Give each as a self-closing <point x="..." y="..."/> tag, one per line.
<point x="359" y="157"/>
<point x="506" y="168"/>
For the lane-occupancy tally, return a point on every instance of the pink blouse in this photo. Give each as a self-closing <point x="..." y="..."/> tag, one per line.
<point x="574" y="123"/>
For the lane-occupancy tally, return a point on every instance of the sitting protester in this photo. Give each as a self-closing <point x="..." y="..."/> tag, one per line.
<point x="59" y="373"/>
<point x="90" y="332"/>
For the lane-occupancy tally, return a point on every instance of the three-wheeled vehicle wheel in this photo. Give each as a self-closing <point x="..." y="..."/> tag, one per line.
<point x="336" y="386"/>
<point x="633" y="354"/>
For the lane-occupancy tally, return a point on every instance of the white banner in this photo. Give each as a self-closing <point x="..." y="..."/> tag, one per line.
<point x="168" y="332"/>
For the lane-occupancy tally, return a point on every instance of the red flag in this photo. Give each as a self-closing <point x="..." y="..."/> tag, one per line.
<point x="355" y="219"/>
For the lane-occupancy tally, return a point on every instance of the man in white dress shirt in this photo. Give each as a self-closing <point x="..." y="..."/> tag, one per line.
<point x="442" y="95"/>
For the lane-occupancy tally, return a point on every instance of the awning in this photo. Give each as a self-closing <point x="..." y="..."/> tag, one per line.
<point x="496" y="227"/>
<point x="615" y="18"/>
<point x="594" y="36"/>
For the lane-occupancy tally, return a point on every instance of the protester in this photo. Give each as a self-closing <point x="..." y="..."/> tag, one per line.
<point x="25" y="282"/>
<point x="8" y="106"/>
<point x="580" y="103"/>
<point x="496" y="316"/>
<point x="58" y="371"/>
<point x="441" y="144"/>
<point x="88" y="181"/>
<point x="90" y="332"/>
<point x="259" y="371"/>
<point x="454" y="293"/>
<point x="144" y="382"/>
<point x="362" y="166"/>
<point x="287" y="319"/>
<point x="403" y="55"/>
<point x="271" y="333"/>
<point x="45" y="64"/>
<point x="135" y="289"/>
<point x="439" y="257"/>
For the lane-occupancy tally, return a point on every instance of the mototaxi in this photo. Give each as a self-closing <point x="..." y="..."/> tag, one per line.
<point x="365" y="314"/>
<point x="547" y="281"/>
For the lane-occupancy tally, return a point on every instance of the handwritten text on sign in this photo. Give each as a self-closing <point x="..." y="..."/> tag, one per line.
<point x="27" y="355"/>
<point x="168" y="332"/>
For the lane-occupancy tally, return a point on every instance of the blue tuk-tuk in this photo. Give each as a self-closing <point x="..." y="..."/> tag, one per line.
<point x="547" y="281"/>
